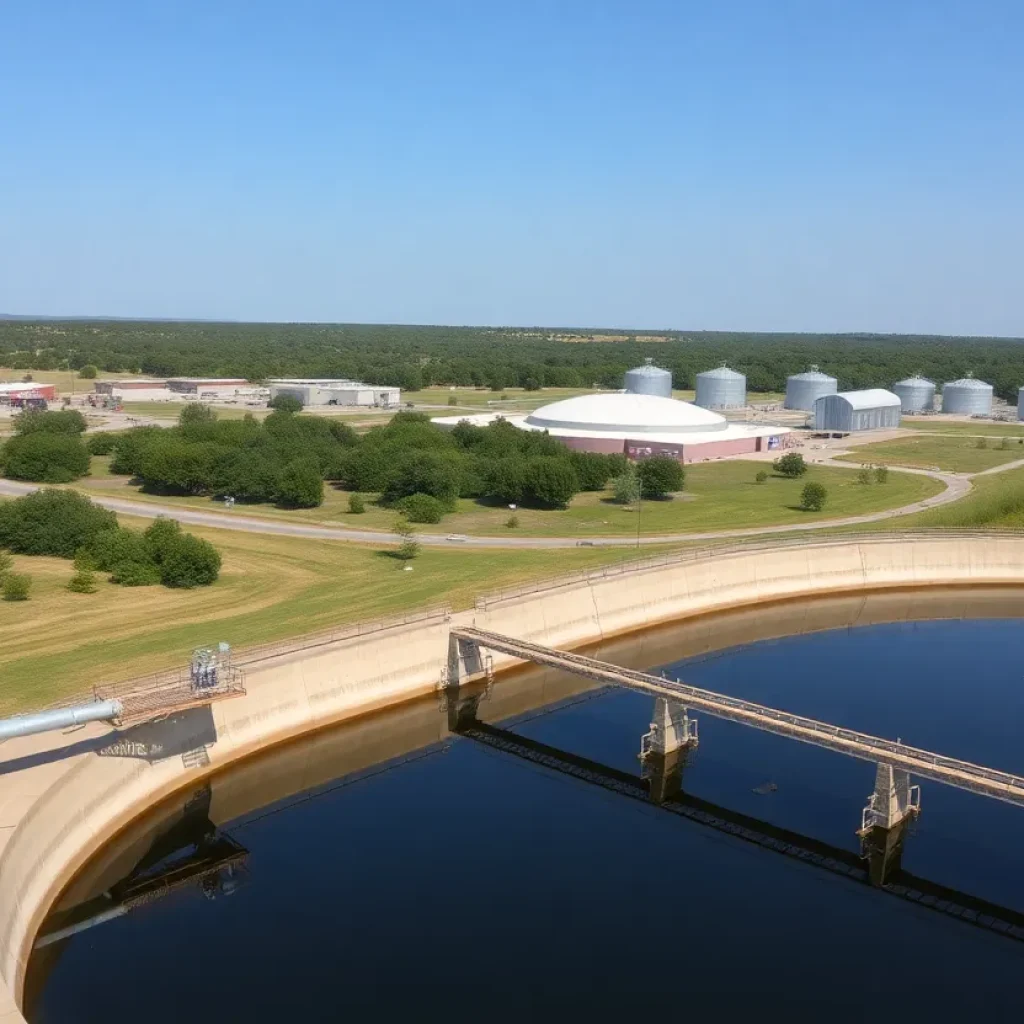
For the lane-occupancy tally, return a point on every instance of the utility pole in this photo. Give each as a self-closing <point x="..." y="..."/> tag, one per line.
<point x="639" y="505"/>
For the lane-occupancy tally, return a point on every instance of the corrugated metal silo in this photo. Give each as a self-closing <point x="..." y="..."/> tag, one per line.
<point x="649" y="380"/>
<point x="967" y="397"/>
<point x="721" y="389"/>
<point x="1020" y="404"/>
<point x="804" y="389"/>
<point x="917" y="394"/>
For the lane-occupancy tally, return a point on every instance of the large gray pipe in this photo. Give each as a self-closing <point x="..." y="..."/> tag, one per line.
<point x="47" y="721"/>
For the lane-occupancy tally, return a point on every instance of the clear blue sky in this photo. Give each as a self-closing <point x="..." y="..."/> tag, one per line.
<point x="741" y="164"/>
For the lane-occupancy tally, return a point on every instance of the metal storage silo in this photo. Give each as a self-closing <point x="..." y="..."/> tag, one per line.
<point x="649" y="380"/>
<point x="721" y="389"/>
<point x="967" y="397"/>
<point x="1020" y="404"/>
<point x="917" y="394"/>
<point x="804" y="389"/>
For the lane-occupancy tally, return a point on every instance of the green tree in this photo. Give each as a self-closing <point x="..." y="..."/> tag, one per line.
<point x="52" y="522"/>
<point x="302" y="486"/>
<point x="421" y="508"/>
<point x="102" y="443"/>
<point x="512" y="522"/>
<point x="791" y="464"/>
<point x="660" y="475"/>
<point x="882" y="474"/>
<point x="551" y="481"/>
<point x="83" y="582"/>
<point x="356" y="505"/>
<point x="408" y="546"/>
<point x="761" y="477"/>
<point x="981" y="443"/>
<point x="286" y="404"/>
<point x="864" y="475"/>
<point x="813" y="496"/>
<point x="45" y="458"/>
<point x="88" y="372"/>
<point x="6" y="563"/>
<point x="626" y="487"/>
<point x="16" y="586"/>
<point x="63" y="421"/>
<point x="1005" y="443"/>
<point x="189" y="562"/>
<point x="506" y="479"/>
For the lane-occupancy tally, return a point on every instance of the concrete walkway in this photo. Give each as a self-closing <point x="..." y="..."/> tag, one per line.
<point x="957" y="486"/>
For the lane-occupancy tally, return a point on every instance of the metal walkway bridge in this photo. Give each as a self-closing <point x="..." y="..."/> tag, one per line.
<point x="905" y="760"/>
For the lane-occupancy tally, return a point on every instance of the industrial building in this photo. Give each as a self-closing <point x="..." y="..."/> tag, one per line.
<point x="804" y="389"/>
<point x="721" y="388"/>
<point x="205" y="385"/>
<point x="314" y="392"/>
<point x="967" y="397"/>
<point x="849" y="411"/>
<point x="25" y="393"/>
<point x="108" y="387"/>
<point x="638" y="426"/>
<point x="649" y="380"/>
<point x="917" y="394"/>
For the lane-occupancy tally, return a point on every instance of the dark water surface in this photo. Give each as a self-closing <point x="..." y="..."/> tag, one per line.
<point x="389" y="871"/>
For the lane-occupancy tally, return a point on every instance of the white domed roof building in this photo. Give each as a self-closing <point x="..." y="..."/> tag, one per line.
<point x="638" y="425"/>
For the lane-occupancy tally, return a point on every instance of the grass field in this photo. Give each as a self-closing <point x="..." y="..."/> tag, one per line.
<point x="57" y="642"/>
<point x="717" y="496"/>
<point x="956" y="454"/>
<point x="977" y="429"/>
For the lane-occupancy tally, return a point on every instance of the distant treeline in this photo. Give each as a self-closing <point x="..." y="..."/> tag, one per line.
<point x="498" y="358"/>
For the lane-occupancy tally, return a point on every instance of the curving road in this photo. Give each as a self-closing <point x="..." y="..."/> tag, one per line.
<point x="956" y="488"/>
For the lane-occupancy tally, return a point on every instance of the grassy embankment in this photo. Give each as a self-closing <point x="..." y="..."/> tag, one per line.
<point x="58" y="643"/>
<point x="958" y="454"/>
<point x="717" y="496"/>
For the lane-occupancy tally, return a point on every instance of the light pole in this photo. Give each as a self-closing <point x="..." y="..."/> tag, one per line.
<point x="639" y="505"/>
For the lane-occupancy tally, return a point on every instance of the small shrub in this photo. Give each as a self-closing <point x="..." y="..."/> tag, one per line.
<point x="356" y="505"/>
<point x="84" y="561"/>
<point x="981" y="443"/>
<point x="660" y="476"/>
<point x="102" y="443"/>
<point x="285" y="403"/>
<point x="6" y="563"/>
<point x="626" y="487"/>
<point x="813" y="496"/>
<point x="512" y="522"/>
<point x="882" y="474"/>
<point x="1005" y="443"/>
<point x="16" y="586"/>
<point x="83" y="582"/>
<point x="791" y="464"/>
<point x="864" y="475"/>
<point x="421" y="508"/>
<point x="408" y="547"/>
<point x="452" y="400"/>
<point x="88" y="372"/>
<point x="135" y="574"/>
<point x="761" y="477"/>
<point x="189" y="562"/>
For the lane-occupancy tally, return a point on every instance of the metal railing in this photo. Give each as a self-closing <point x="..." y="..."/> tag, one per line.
<point x="925" y="763"/>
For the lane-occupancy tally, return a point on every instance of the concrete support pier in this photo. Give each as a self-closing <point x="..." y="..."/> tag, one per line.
<point x="664" y="750"/>
<point x="893" y="801"/>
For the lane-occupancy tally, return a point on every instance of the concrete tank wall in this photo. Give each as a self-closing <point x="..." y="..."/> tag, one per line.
<point x="62" y="804"/>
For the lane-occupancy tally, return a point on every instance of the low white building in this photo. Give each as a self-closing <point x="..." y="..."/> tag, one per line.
<point x="313" y="392"/>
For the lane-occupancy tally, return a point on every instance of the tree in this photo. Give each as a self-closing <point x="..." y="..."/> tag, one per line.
<point x="6" y="563"/>
<point x="83" y="582"/>
<point x="102" y="443"/>
<point x="626" y="487"/>
<point x="791" y="464"/>
<point x="421" y="508"/>
<point x="882" y="474"/>
<point x="189" y="562"/>
<point x="16" y="586"/>
<point x="551" y="481"/>
<point x="981" y="443"/>
<point x="88" y="372"/>
<point x="408" y="546"/>
<point x="506" y="479"/>
<point x="813" y="496"/>
<point x="762" y="477"/>
<point x="356" y="505"/>
<point x="424" y="472"/>
<point x="45" y="458"/>
<point x="52" y="522"/>
<point x="864" y="475"/>
<point x="659" y="476"/>
<point x="302" y="486"/>
<point x="63" y="421"/>
<point x="285" y="404"/>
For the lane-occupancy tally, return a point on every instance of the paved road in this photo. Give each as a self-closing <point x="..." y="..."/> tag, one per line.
<point x="956" y="488"/>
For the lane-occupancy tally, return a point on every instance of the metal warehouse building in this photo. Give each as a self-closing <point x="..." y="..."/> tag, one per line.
<point x="847" y="411"/>
<point x="336" y="392"/>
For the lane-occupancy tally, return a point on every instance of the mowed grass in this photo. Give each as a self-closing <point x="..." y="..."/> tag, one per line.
<point x="59" y="643"/>
<point x="717" y="496"/>
<point x="930" y="451"/>
<point x="974" y="428"/>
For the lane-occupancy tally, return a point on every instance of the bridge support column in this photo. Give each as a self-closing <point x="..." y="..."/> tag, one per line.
<point x="882" y="848"/>
<point x="893" y="801"/>
<point x="663" y="750"/>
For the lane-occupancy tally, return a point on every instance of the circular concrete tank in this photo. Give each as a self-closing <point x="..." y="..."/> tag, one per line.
<point x="721" y="388"/>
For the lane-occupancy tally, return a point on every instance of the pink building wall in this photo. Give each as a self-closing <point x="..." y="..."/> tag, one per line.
<point x="638" y="448"/>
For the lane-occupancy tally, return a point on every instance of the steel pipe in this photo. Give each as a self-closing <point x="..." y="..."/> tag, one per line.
<point x="61" y="718"/>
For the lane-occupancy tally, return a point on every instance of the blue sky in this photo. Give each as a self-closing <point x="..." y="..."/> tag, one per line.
<point x="742" y="164"/>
